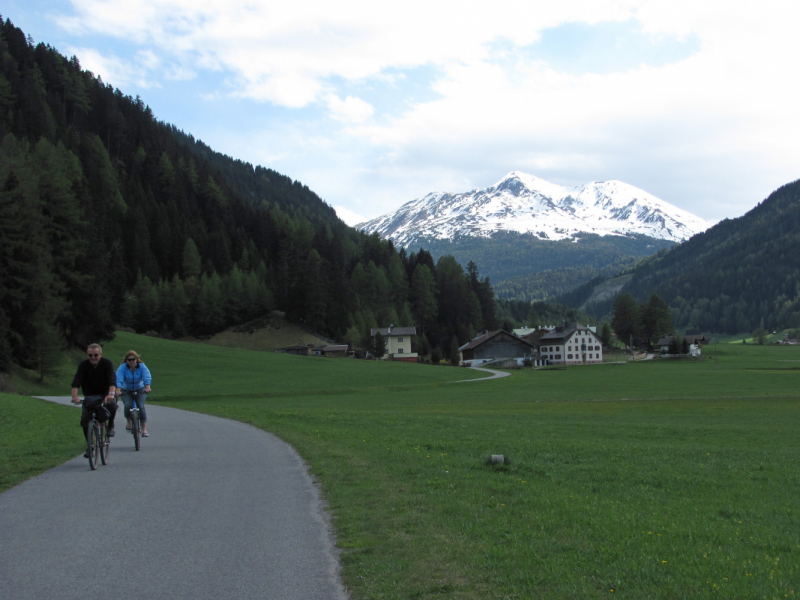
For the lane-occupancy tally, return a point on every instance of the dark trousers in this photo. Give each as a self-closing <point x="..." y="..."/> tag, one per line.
<point x="93" y="406"/>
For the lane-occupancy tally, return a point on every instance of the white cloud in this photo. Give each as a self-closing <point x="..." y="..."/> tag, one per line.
<point x="351" y="110"/>
<point x="283" y="51"/>
<point x="113" y="69"/>
<point x="348" y="216"/>
<point x="179" y="73"/>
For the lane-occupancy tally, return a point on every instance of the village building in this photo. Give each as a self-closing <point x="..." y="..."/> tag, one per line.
<point x="331" y="351"/>
<point x="398" y="342"/>
<point x="496" y="345"/>
<point x="299" y="350"/>
<point x="571" y="344"/>
<point x="694" y="344"/>
<point x="534" y="336"/>
<point x="328" y="350"/>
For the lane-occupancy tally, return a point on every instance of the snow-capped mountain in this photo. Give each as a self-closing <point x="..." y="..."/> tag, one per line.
<point x="527" y="204"/>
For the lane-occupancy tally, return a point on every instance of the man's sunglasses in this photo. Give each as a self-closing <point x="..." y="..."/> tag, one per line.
<point x="93" y="355"/>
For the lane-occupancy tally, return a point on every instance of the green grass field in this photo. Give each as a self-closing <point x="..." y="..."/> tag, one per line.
<point x="660" y="479"/>
<point x="35" y="436"/>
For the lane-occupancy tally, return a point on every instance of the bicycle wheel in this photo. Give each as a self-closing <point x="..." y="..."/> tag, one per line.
<point x="135" y="428"/>
<point x="91" y="440"/>
<point x="104" y="446"/>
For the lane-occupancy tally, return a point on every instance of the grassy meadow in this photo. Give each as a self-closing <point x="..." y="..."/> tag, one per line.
<point x="659" y="479"/>
<point x="35" y="435"/>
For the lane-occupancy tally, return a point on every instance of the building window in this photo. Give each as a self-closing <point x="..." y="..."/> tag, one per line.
<point x="399" y="350"/>
<point x="569" y="355"/>
<point x="558" y="357"/>
<point x="399" y="339"/>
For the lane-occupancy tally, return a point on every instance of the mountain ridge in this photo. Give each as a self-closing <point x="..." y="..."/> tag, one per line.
<point x="524" y="203"/>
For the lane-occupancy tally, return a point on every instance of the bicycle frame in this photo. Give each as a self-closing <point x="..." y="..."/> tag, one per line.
<point x="95" y="430"/>
<point x="136" y="423"/>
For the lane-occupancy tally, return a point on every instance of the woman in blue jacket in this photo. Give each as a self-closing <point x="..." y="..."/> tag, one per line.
<point x="133" y="375"/>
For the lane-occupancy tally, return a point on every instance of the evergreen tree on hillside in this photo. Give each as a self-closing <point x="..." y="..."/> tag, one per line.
<point x="423" y="296"/>
<point x="656" y="319"/>
<point x="626" y="318"/>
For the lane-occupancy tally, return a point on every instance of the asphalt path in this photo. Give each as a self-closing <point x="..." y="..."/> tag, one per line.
<point x="494" y="375"/>
<point x="209" y="508"/>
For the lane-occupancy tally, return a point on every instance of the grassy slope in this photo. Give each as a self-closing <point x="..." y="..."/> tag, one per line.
<point x="267" y="333"/>
<point x="664" y="479"/>
<point x="35" y="435"/>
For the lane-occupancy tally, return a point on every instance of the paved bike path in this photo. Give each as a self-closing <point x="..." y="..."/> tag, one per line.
<point x="209" y="508"/>
<point x="494" y="375"/>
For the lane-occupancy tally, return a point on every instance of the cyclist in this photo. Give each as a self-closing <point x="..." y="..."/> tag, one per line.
<point x="97" y="378"/>
<point x="133" y="375"/>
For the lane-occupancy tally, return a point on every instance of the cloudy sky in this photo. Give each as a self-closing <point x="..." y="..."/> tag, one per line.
<point x="372" y="104"/>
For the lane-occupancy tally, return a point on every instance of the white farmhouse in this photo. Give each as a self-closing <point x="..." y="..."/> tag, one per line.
<point x="571" y="344"/>
<point x="398" y="342"/>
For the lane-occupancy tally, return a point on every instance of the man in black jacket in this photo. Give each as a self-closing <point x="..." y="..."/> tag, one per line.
<point x="97" y="377"/>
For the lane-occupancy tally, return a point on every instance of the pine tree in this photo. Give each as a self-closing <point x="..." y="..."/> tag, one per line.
<point x="379" y="345"/>
<point x="455" y="355"/>
<point x="423" y="295"/>
<point x="605" y="335"/>
<point x="626" y="318"/>
<point x="191" y="259"/>
<point x="47" y="341"/>
<point x="656" y="319"/>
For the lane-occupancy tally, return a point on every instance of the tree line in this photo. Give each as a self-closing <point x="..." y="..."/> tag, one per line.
<point x="514" y="259"/>
<point x="643" y="323"/>
<point x="110" y="217"/>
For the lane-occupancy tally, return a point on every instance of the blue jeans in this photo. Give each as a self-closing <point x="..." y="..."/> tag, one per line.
<point x="127" y="400"/>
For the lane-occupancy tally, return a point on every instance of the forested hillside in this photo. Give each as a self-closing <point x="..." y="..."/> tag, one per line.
<point x="108" y="216"/>
<point x="739" y="275"/>
<point x="559" y="283"/>
<point x="514" y="256"/>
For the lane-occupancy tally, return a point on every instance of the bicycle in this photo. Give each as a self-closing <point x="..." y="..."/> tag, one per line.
<point x="136" y="423"/>
<point x="97" y="441"/>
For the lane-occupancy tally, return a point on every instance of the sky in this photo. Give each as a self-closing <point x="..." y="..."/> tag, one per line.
<point x="373" y="104"/>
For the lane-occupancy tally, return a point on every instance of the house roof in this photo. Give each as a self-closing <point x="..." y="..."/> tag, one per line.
<point x="564" y="331"/>
<point x="332" y="348"/>
<point x="482" y="339"/>
<point x="384" y="331"/>
<point x="533" y="338"/>
<point x="692" y="339"/>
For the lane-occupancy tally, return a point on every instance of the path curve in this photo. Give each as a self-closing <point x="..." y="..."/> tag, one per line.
<point x="494" y="375"/>
<point x="209" y="508"/>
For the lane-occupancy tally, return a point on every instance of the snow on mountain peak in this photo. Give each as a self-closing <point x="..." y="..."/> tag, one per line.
<point x="528" y="204"/>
